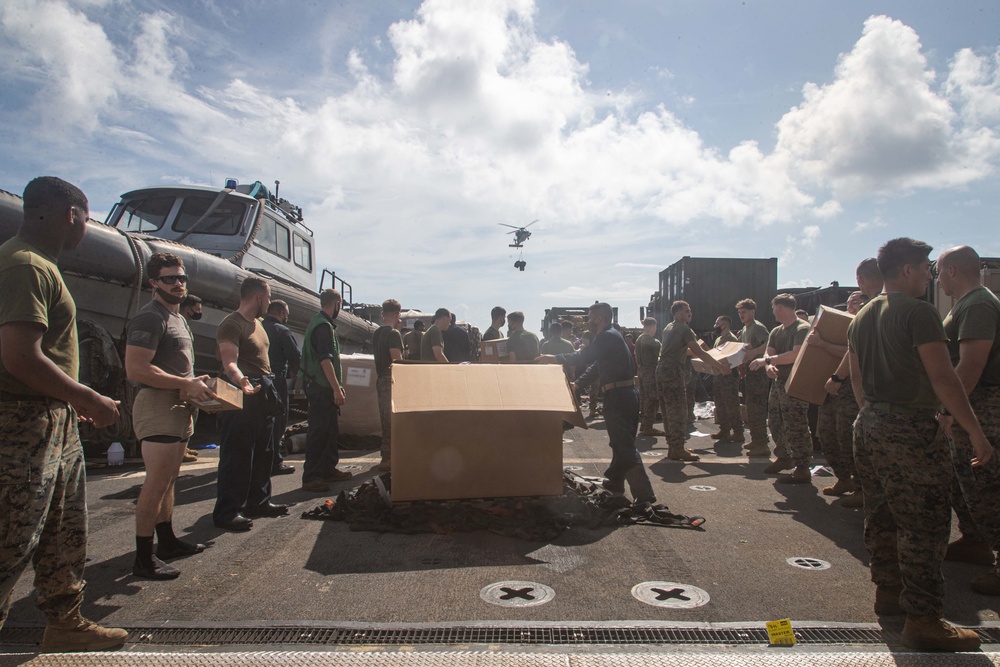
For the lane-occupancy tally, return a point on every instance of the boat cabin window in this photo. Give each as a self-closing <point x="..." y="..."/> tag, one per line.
<point x="225" y="219"/>
<point x="302" y="252"/>
<point x="145" y="215"/>
<point x="273" y="236"/>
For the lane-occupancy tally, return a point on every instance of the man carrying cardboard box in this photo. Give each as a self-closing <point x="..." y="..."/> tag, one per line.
<point x="870" y="285"/>
<point x="159" y="355"/>
<point x="608" y="358"/>
<point x="787" y="417"/>
<point x="726" y="389"/>
<point x="973" y="328"/>
<point x="677" y="344"/>
<point x="754" y="337"/>
<point x="387" y="346"/>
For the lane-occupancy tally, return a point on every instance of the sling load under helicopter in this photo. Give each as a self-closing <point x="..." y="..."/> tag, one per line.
<point x="521" y="234"/>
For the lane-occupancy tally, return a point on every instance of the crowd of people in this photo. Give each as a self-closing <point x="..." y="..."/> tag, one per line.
<point x="906" y="426"/>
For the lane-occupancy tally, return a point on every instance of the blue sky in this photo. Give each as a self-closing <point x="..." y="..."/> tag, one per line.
<point x="637" y="132"/>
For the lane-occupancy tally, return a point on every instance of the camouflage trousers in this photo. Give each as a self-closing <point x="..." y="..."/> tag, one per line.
<point x="43" y="505"/>
<point x="835" y="427"/>
<point x="788" y="419"/>
<point x="383" y="387"/>
<point x="649" y="397"/>
<point x="671" y="383"/>
<point x="904" y="464"/>
<point x="726" y="392"/>
<point x="691" y="389"/>
<point x="757" y="387"/>
<point x="979" y="487"/>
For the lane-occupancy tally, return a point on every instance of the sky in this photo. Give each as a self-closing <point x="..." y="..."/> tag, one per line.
<point x="637" y="132"/>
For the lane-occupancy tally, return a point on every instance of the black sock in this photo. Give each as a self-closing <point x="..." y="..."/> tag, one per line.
<point x="144" y="549"/>
<point x="165" y="532"/>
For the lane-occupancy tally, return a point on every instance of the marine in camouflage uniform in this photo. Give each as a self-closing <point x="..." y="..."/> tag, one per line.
<point x="647" y="352"/>
<point x="902" y="456"/>
<point x="975" y="320"/>
<point x="43" y="498"/>
<point x="836" y="432"/>
<point x="787" y="417"/>
<point x="726" y="390"/>
<point x="756" y="383"/>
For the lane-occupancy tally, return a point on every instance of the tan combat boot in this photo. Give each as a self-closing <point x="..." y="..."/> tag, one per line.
<point x="758" y="449"/>
<point x="682" y="454"/>
<point x="929" y="633"/>
<point x="967" y="550"/>
<point x="842" y="487"/>
<point x="78" y="634"/>
<point x="779" y="464"/>
<point x="801" y="475"/>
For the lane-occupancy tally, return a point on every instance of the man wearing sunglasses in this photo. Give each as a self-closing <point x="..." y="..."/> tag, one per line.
<point x="159" y="355"/>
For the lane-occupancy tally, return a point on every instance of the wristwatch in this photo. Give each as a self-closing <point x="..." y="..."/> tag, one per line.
<point x="837" y="379"/>
<point x="767" y="360"/>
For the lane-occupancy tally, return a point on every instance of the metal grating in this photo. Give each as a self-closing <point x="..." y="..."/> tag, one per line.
<point x="528" y="635"/>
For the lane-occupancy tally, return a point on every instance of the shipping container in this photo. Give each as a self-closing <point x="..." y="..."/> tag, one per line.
<point x="713" y="285"/>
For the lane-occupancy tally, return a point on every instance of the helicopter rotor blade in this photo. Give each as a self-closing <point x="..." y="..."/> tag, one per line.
<point x="502" y="224"/>
<point x="529" y="224"/>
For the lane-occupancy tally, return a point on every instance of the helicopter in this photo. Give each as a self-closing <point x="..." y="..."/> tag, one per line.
<point x="521" y="234"/>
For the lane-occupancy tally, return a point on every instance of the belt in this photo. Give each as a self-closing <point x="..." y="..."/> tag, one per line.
<point x="26" y="398"/>
<point x="899" y="409"/>
<point x="618" y="385"/>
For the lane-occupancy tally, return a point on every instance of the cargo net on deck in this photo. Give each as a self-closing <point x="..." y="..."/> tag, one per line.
<point x="583" y="503"/>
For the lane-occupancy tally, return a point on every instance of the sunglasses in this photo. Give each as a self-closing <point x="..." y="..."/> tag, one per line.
<point x="173" y="280"/>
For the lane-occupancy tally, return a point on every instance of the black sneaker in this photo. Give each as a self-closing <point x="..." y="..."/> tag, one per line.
<point x="155" y="569"/>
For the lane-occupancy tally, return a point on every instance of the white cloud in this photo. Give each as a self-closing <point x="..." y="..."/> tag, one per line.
<point x="794" y="244"/>
<point x="868" y="225"/>
<point x="880" y="126"/>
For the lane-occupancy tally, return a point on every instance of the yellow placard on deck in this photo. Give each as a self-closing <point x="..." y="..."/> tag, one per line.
<point x="780" y="633"/>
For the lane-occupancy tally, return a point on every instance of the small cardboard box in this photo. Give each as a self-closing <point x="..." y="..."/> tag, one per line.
<point x="493" y="351"/>
<point x="478" y="430"/>
<point x="814" y="366"/>
<point x="359" y="413"/>
<point x="732" y="353"/>
<point x="230" y="398"/>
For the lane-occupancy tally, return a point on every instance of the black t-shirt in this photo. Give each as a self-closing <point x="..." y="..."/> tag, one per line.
<point x="384" y="339"/>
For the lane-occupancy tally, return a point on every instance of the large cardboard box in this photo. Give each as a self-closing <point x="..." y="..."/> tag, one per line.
<point x="230" y="398"/>
<point x="494" y="351"/>
<point x="814" y="366"/>
<point x="359" y="413"/>
<point x="478" y="430"/>
<point x="732" y="353"/>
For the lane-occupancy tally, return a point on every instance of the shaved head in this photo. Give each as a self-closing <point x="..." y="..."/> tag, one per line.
<point x="963" y="259"/>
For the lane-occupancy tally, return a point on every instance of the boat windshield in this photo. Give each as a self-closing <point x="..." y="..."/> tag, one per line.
<point x="225" y="219"/>
<point x="143" y="216"/>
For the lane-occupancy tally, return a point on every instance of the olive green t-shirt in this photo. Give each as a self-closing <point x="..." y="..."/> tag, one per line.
<point x="432" y="337"/>
<point x="524" y="344"/>
<point x="674" y="343"/>
<point x="556" y="346"/>
<point x="728" y="337"/>
<point x="252" y="340"/>
<point x="491" y="334"/>
<point x="411" y="341"/>
<point x="647" y="351"/>
<point x="784" y="339"/>
<point x="976" y="316"/>
<point x="754" y="334"/>
<point x="885" y="335"/>
<point x="32" y="290"/>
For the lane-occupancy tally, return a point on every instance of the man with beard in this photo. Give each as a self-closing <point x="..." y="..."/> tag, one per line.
<point x="159" y="355"/>
<point x="245" y="457"/>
